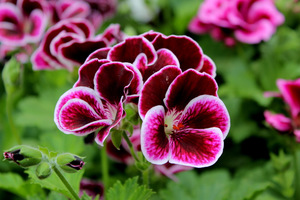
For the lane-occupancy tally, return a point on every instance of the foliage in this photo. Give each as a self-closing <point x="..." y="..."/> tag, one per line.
<point x="257" y="163"/>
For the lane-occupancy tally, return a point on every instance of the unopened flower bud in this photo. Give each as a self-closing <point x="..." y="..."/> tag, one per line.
<point x="24" y="156"/>
<point x="69" y="162"/>
<point x="43" y="170"/>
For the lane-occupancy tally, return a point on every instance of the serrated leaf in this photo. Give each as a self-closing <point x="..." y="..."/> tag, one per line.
<point x="130" y="190"/>
<point x="55" y="184"/>
<point x="212" y="185"/>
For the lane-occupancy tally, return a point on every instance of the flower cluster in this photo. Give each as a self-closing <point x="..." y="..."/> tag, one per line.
<point x="169" y="80"/>
<point x="290" y="93"/>
<point x="248" y="21"/>
<point x="23" y="23"/>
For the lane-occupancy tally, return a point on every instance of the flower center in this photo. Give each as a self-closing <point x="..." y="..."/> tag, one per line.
<point x="171" y="123"/>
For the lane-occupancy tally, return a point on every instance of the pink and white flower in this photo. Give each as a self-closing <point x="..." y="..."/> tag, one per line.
<point x="248" y="21"/>
<point x="290" y="93"/>
<point x="184" y="122"/>
<point x="22" y="23"/>
<point x="95" y="105"/>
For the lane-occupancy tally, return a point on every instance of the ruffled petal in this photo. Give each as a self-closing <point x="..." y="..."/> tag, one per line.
<point x="155" y="88"/>
<point x="206" y="111"/>
<point x="187" y="86"/>
<point x="278" y="121"/>
<point x="99" y="54"/>
<point x="208" y="66"/>
<point x="112" y="80"/>
<point x="87" y="73"/>
<point x="38" y="25"/>
<point x="154" y="142"/>
<point x="188" y="52"/>
<point x="165" y="58"/>
<point x="128" y="50"/>
<point x="151" y="35"/>
<point x="79" y="118"/>
<point x="77" y="51"/>
<point x="196" y="147"/>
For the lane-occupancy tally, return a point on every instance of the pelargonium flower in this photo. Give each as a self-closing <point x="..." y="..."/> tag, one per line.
<point x="95" y="103"/>
<point x="94" y="11"/>
<point x="123" y="155"/>
<point x="290" y="93"/>
<point x="184" y="121"/>
<point x="153" y="51"/>
<point x="248" y="21"/>
<point x="22" y="23"/>
<point x="68" y="44"/>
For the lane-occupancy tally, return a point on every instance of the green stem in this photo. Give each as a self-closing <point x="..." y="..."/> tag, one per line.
<point x="130" y="146"/>
<point x="146" y="177"/>
<point x="104" y="164"/>
<point x="65" y="182"/>
<point x="13" y="129"/>
<point x="297" y="173"/>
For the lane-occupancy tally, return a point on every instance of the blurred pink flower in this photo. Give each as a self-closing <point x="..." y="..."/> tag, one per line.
<point x="96" y="11"/>
<point x="290" y="93"/>
<point x="248" y="21"/>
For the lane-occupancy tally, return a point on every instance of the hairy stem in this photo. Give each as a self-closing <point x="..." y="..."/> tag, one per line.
<point x="66" y="183"/>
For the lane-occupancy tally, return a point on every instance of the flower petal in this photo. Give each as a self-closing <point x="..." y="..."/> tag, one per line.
<point x="84" y="93"/>
<point x="87" y="73"/>
<point x="39" y="23"/>
<point x="79" y="118"/>
<point x="188" y="52"/>
<point x="290" y="91"/>
<point x="165" y="58"/>
<point x="187" y="86"/>
<point x="278" y="121"/>
<point x="154" y="142"/>
<point x="208" y="66"/>
<point x="155" y="88"/>
<point x="196" y="147"/>
<point x="99" y="54"/>
<point x="112" y="80"/>
<point x="77" y="52"/>
<point x="128" y="50"/>
<point x="206" y="111"/>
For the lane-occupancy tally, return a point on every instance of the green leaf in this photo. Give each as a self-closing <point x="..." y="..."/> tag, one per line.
<point x="116" y="138"/>
<point x="211" y="185"/>
<point x="54" y="183"/>
<point x="130" y="190"/>
<point x="15" y="184"/>
<point x="60" y="142"/>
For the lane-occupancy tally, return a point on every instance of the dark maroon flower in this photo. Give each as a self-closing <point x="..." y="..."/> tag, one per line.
<point x="67" y="44"/>
<point x="91" y="188"/>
